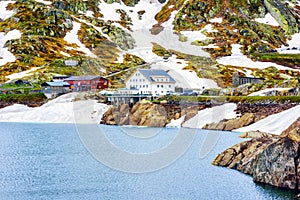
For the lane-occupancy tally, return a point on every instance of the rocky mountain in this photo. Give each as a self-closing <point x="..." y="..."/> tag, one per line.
<point x="213" y="38"/>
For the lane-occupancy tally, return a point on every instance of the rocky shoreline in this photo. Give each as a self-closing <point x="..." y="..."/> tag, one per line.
<point x="150" y="114"/>
<point x="249" y="114"/>
<point x="270" y="159"/>
<point x="159" y="115"/>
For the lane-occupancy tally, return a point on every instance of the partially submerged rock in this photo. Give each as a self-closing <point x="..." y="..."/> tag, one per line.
<point x="270" y="159"/>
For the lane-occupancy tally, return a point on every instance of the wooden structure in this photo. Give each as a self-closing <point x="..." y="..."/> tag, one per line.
<point x="87" y="83"/>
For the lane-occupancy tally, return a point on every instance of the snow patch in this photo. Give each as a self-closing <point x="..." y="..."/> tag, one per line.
<point x="268" y="90"/>
<point x="276" y="123"/>
<point x="216" y="20"/>
<point x="5" y="55"/>
<point x="293" y="45"/>
<point x="176" y="123"/>
<point x="21" y="74"/>
<point x="240" y="60"/>
<point x="72" y="37"/>
<point x="4" y="13"/>
<point x="212" y="115"/>
<point x="59" y="110"/>
<point x="44" y="2"/>
<point x="268" y="19"/>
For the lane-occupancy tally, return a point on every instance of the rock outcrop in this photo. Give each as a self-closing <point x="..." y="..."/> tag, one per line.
<point x="270" y="159"/>
<point x="250" y="113"/>
<point x="232" y="124"/>
<point x="148" y="114"/>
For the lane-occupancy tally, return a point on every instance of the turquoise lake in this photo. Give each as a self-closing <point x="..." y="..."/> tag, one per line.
<point x="49" y="161"/>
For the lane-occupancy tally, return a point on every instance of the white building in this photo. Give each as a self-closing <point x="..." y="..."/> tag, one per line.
<point x="149" y="81"/>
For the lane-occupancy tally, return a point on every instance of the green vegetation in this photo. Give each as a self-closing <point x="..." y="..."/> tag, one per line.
<point x="238" y="25"/>
<point x="289" y="60"/>
<point x="23" y="98"/>
<point x="129" y="65"/>
<point x="238" y="99"/>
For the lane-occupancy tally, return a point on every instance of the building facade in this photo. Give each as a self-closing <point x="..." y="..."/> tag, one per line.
<point x="239" y="80"/>
<point x="148" y="81"/>
<point x="53" y="89"/>
<point x="87" y="83"/>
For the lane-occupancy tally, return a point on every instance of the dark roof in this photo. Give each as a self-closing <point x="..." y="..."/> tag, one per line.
<point x="149" y="73"/>
<point x="56" y="84"/>
<point x="251" y="78"/>
<point x="81" y="78"/>
<point x="61" y="77"/>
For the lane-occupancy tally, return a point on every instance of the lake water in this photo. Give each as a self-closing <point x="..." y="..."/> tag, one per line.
<point x="49" y="161"/>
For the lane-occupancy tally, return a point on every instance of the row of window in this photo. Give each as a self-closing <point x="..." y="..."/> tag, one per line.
<point x="141" y="86"/>
<point x="143" y="80"/>
<point x="162" y="86"/>
<point x="136" y="80"/>
<point x="162" y="80"/>
<point x="146" y="86"/>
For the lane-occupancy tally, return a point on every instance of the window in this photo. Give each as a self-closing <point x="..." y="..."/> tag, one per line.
<point x="169" y="86"/>
<point x="162" y="86"/>
<point x="162" y="80"/>
<point x="157" y="86"/>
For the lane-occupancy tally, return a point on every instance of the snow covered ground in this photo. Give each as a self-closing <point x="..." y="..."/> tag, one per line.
<point x="176" y="123"/>
<point x="268" y="90"/>
<point x="22" y="74"/>
<point x="5" y="55"/>
<point x="72" y="38"/>
<point x="240" y="60"/>
<point x="293" y="45"/>
<point x="184" y="78"/>
<point x="212" y="115"/>
<point x="44" y="2"/>
<point x="59" y="110"/>
<point x="276" y="123"/>
<point x="4" y="13"/>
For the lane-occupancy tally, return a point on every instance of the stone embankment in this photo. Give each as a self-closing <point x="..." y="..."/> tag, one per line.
<point x="270" y="159"/>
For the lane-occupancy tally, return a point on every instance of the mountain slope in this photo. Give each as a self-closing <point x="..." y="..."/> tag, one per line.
<point x="112" y="35"/>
